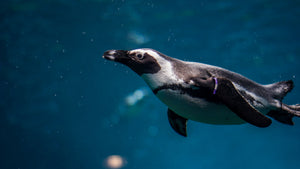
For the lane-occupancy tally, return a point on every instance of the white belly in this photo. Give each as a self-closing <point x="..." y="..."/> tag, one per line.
<point x="197" y="109"/>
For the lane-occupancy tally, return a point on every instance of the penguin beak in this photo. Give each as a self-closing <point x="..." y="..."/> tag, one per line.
<point x="116" y="55"/>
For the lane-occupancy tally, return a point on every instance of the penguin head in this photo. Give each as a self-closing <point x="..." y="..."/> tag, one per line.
<point x="154" y="67"/>
<point x="141" y="61"/>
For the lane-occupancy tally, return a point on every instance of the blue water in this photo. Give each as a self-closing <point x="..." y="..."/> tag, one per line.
<point x="63" y="107"/>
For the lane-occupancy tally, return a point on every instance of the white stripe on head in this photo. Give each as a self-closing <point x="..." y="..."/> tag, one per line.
<point x="165" y="76"/>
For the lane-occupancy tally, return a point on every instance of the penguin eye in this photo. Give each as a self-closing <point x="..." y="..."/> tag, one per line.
<point x="140" y="56"/>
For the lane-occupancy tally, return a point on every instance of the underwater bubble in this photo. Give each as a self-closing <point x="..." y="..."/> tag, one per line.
<point x="136" y="96"/>
<point x="115" y="161"/>
<point x="130" y="100"/>
<point x="138" y="37"/>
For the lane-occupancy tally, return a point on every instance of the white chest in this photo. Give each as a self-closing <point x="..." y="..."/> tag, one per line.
<point x="197" y="109"/>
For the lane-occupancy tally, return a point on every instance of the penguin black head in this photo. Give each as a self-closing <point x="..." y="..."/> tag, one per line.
<point x="141" y="61"/>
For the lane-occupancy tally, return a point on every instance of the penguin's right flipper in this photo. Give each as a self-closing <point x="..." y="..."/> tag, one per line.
<point x="230" y="96"/>
<point x="177" y="122"/>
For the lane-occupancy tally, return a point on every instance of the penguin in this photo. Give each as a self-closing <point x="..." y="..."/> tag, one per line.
<point x="207" y="93"/>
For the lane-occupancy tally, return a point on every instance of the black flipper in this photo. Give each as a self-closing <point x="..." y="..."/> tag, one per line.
<point x="223" y="90"/>
<point x="282" y="116"/>
<point x="177" y="122"/>
<point x="231" y="97"/>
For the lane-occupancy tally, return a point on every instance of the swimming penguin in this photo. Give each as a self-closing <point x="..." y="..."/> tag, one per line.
<point x="207" y="93"/>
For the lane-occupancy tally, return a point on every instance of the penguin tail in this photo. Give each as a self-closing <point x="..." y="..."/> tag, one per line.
<point x="286" y="113"/>
<point x="292" y="109"/>
<point x="280" y="89"/>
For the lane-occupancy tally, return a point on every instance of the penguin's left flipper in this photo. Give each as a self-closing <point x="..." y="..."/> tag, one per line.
<point x="231" y="97"/>
<point x="177" y="122"/>
<point x="224" y="91"/>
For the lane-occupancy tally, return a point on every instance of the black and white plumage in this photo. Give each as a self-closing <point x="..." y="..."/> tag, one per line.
<point x="206" y="93"/>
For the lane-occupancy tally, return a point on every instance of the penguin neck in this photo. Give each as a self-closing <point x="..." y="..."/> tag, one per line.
<point x="165" y="76"/>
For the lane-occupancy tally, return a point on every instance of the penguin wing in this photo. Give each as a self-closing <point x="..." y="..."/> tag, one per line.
<point x="232" y="98"/>
<point x="223" y="90"/>
<point x="177" y="122"/>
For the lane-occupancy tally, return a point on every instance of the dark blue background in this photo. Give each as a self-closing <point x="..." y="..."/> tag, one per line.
<point x="62" y="105"/>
